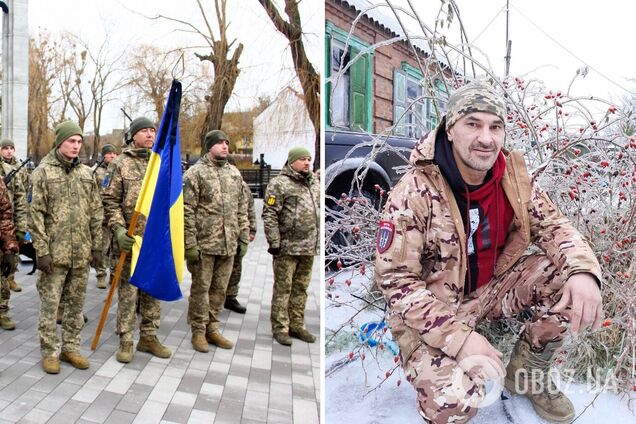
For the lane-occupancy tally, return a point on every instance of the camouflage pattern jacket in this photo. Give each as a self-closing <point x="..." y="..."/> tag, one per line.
<point x="22" y="175"/>
<point x="126" y="173"/>
<point x="66" y="212"/>
<point x="422" y="272"/>
<point x="251" y="211"/>
<point x="100" y="175"/>
<point x="215" y="208"/>
<point x="17" y="195"/>
<point x="9" y="244"/>
<point x="291" y="213"/>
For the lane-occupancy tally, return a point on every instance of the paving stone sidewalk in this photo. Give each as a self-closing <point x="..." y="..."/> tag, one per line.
<point x="259" y="381"/>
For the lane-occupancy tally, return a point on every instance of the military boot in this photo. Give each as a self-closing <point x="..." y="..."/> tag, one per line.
<point x="233" y="304"/>
<point x="101" y="281"/>
<point x="151" y="344"/>
<point x="216" y="338"/>
<point x="74" y="358"/>
<point x="302" y="334"/>
<point x="13" y="286"/>
<point x="125" y="351"/>
<point x="283" y="338"/>
<point x="7" y="323"/>
<point x="51" y="364"/>
<point x="528" y="374"/>
<point x="199" y="342"/>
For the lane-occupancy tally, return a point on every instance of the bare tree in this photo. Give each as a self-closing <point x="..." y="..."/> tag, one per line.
<point x="309" y="78"/>
<point x="41" y="79"/>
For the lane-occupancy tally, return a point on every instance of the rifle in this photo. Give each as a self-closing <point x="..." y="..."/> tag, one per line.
<point x="98" y="164"/>
<point x="10" y="175"/>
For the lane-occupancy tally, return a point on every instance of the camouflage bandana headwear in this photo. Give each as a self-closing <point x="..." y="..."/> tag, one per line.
<point x="476" y="96"/>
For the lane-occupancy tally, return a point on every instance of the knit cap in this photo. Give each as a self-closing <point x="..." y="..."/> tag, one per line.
<point x="66" y="130"/>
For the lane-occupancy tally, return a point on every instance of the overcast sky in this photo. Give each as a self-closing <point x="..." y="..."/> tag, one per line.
<point x="265" y="62"/>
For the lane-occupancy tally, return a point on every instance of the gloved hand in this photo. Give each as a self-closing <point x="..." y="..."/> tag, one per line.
<point x="242" y="249"/>
<point x="124" y="242"/>
<point x="274" y="251"/>
<point x="96" y="258"/>
<point x="9" y="264"/>
<point x="193" y="254"/>
<point x="45" y="264"/>
<point x="20" y="235"/>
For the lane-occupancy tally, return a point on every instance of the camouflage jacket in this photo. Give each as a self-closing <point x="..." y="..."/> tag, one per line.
<point x="17" y="195"/>
<point x="251" y="212"/>
<point x="291" y="213"/>
<point x="215" y="208"/>
<point x="22" y="175"/>
<point x="66" y="212"/>
<point x="100" y="175"/>
<point x="422" y="272"/>
<point x="125" y="175"/>
<point x="7" y="228"/>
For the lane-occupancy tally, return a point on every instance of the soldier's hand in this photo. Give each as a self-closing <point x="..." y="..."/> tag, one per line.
<point x="124" y="242"/>
<point x="20" y="235"/>
<point x="242" y="249"/>
<point x="274" y="251"/>
<point x="478" y="357"/>
<point x="581" y="292"/>
<point x="9" y="264"/>
<point x="45" y="264"/>
<point x="193" y="254"/>
<point x="96" y="258"/>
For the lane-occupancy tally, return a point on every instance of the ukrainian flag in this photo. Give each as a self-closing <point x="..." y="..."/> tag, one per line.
<point x="159" y="267"/>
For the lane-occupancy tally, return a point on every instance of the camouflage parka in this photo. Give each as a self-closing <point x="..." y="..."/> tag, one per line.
<point x="215" y="207"/>
<point x="22" y="175"/>
<point x="125" y="175"/>
<point x="9" y="244"/>
<point x="100" y="176"/>
<point x="291" y="213"/>
<point x="422" y="272"/>
<point x="17" y="195"/>
<point x="66" y="211"/>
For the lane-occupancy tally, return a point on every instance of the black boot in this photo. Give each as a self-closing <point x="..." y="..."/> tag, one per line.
<point x="233" y="305"/>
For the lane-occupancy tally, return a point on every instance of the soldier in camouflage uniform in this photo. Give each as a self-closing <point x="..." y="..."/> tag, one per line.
<point x="231" y="294"/>
<point x="291" y="222"/>
<point x="66" y="227"/>
<point x="8" y="249"/>
<point x="125" y="175"/>
<point x="7" y="154"/>
<point x="216" y="229"/>
<point x="17" y="196"/>
<point x="451" y="252"/>
<point x="109" y="152"/>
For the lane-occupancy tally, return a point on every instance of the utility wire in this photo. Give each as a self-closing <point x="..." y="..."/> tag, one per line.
<point x="488" y="25"/>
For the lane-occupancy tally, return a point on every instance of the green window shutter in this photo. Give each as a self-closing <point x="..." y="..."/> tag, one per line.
<point x="327" y="92"/>
<point x="399" y="102"/>
<point x="358" y="101"/>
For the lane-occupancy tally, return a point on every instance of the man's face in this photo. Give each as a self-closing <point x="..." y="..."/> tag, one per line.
<point x="220" y="150"/>
<point x="70" y="148"/>
<point x="477" y="140"/>
<point x="302" y="164"/>
<point x="8" y="152"/>
<point x="144" y="138"/>
<point x="108" y="157"/>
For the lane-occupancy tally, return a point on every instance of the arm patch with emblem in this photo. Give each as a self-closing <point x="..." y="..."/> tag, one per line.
<point x="271" y="200"/>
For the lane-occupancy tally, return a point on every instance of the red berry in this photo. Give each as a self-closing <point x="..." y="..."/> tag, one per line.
<point x="348" y="282"/>
<point x="388" y="374"/>
<point x="350" y="355"/>
<point x="400" y="382"/>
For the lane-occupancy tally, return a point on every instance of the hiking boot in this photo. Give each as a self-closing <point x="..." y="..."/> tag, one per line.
<point x="302" y="334"/>
<point x="216" y="338"/>
<point x="7" y="323"/>
<point x="233" y="305"/>
<point x="528" y="374"/>
<point x="151" y="344"/>
<point x="13" y="285"/>
<point x="51" y="364"/>
<point x="283" y="338"/>
<point x="101" y="282"/>
<point x="125" y="352"/>
<point x="74" y="358"/>
<point x="199" y="343"/>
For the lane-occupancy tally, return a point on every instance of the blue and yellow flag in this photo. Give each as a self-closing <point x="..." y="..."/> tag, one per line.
<point x="159" y="266"/>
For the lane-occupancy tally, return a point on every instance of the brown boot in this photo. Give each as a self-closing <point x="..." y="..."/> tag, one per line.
<point x="199" y="343"/>
<point x="101" y="281"/>
<point x="151" y="344"/>
<point x="74" y="358"/>
<point x="13" y="285"/>
<point x="302" y="334"/>
<point x="216" y="338"/>
<point x="51" y="364"/>
<point x="528" y="374"/>
<point x="283" y="338"/>
<point x="7" y="323"/>
<point x="125" y="352"/>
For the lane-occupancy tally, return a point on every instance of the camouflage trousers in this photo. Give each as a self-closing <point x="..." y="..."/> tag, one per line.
<point x="128" y="296"/>
<point x="210" y="276"/>
<point x="107" y="261"/>
<point x="291" y="279"/>
<point x="235" y="278"/>
<point x="5" y="295"/>
<point x="9" y="277"/>
<point x="68" y="284"/>
<point x="445" y="393"/>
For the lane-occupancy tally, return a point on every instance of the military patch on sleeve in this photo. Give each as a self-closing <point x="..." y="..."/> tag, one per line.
<point x="271" y="200"/>
<point x="384" y="237"/>
<point x="106" y="181"/>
